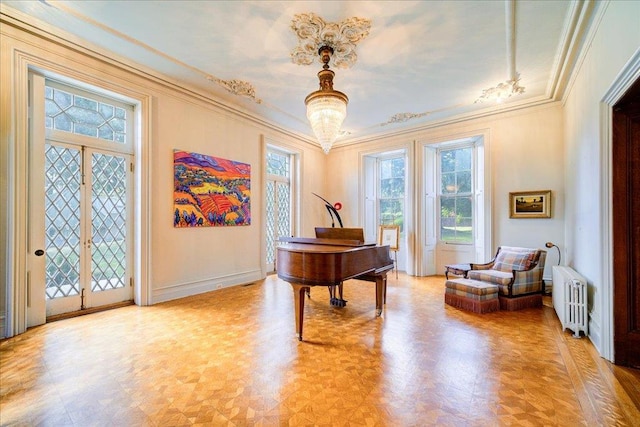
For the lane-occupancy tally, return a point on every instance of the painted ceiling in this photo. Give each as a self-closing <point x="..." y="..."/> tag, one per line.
<point x="420" y="63"/>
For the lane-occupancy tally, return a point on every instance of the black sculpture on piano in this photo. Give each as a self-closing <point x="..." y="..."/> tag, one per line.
<point x="332" y="211"/>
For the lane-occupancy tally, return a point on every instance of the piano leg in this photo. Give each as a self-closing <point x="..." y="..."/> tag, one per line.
<point x="384" y="296"/>
<point x="299" y="291"/>
<point x="381" y="293"/>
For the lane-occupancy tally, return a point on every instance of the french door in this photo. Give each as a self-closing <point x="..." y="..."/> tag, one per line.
<point x="278" y="204"/>
<point x="80" y="201"/>
<point x="278" y="207"/>
<point x="86" y="228"/>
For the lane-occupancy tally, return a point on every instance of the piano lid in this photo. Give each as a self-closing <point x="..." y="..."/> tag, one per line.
<point x="327" y="242"/>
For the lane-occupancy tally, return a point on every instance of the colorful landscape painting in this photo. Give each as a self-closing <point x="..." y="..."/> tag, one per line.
<point x="209" y="191"/>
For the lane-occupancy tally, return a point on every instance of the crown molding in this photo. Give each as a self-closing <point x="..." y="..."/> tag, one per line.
<point x="458" y="119"/>
<point x="582" y="22"/>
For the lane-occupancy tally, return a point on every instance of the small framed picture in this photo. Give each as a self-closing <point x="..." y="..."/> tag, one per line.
<point x="389" y="235"/>
<point x="530" y="204"/>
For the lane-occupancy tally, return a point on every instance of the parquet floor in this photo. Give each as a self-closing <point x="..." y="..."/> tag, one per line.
<point x="231" y="358"/>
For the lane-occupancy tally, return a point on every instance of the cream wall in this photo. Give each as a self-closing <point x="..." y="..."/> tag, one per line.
<point x="525" y="150"/>
<point x="174" y="262"/>
<point x="527" y="154"/>
<point x="187" y="261"/>
<point x="614" y="53"/>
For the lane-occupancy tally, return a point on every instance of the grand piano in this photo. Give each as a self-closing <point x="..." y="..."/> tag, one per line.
<point x="335" y="255"/>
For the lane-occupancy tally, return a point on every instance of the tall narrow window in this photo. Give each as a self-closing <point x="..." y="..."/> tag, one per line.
<point x="391" y="191"/>
<point x="456" y="195"/>
<point x="278" y="201"/>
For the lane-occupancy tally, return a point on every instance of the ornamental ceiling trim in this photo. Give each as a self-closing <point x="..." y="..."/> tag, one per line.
<point x="237" y="87"/>
<point x="313" y="32"/>
<point x="403" y="117"/>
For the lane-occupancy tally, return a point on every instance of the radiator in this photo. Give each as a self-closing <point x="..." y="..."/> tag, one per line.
<point x="569" y="297"/>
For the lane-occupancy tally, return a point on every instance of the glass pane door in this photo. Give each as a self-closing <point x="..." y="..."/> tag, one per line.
<point x="278" y="201"/>
<point x="87" y="228"/>
<point x="108" y="222"/>
<point x="62" y="221"/>
<point x="278" y="208"/>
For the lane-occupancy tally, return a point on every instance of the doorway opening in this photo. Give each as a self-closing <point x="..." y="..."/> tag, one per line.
<point x="80" y="211"/>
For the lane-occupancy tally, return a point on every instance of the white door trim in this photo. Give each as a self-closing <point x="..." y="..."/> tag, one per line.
<point x="602" y="335"/>
<point x="17" y="227"/>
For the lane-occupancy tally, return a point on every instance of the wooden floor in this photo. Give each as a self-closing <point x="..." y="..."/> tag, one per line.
<point x="231" y="358"/>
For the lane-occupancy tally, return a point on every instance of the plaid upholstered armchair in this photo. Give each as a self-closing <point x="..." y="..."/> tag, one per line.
<point x="518" y="274"/>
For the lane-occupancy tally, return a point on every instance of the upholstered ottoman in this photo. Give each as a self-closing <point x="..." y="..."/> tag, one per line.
<point x="472" y="295"/>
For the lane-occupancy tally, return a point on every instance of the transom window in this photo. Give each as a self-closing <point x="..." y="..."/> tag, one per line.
<point x="456" y="195"/>
<point x="86" y="114"/>
<point x="278" y="163"/>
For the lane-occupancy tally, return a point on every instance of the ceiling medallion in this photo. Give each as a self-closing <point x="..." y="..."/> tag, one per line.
<point x="313" y="33"/>
<point x="237" y="87"/>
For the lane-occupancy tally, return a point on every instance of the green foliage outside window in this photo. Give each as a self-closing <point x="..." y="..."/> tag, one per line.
<point x="456" y="191"/>
<point x="392" y="183"/>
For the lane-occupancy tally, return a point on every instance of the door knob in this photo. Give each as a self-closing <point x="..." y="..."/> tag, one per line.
<point x="39" y="252"/>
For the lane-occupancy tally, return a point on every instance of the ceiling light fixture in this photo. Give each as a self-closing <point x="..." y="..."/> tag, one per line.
<point x="326" y="108"/>
<point x="510" y="87"/>
<point x="502" y="91"/>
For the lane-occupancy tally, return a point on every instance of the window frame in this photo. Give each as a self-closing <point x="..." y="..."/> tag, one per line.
<point x="470" y="194"/>
<point x="387" y="156"/>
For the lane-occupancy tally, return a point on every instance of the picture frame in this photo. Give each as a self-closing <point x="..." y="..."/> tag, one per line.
<point x="210" y="191"/>
<point x="389" y="235"/>
<point x="530" y="204"/>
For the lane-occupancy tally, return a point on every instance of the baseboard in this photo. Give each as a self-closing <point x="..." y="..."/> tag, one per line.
<point x="595" y="335"/>
<point x="3" y="332"/>
<point x="182" y="290"/>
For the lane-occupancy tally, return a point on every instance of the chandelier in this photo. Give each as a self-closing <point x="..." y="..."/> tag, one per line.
<point x="326" y="108"/>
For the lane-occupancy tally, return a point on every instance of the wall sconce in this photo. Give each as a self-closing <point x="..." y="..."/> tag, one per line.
<point x="553" y="245"/>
